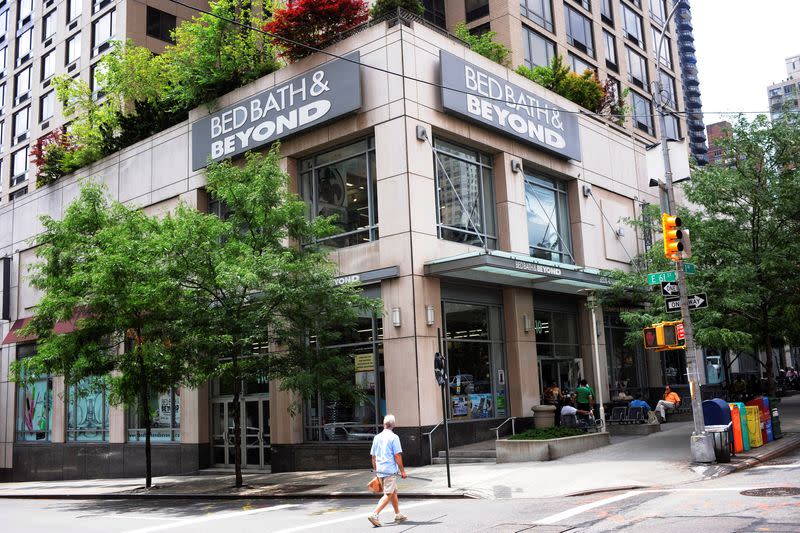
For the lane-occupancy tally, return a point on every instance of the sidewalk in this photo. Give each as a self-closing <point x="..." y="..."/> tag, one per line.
<point x="660" y="459"/>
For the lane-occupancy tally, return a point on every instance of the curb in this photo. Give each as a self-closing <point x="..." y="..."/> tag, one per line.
<point x="789" y="444"/>
<point x="211" y="496"/>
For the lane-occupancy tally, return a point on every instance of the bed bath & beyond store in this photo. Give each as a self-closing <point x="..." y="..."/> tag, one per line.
<point x="470" y="201"/>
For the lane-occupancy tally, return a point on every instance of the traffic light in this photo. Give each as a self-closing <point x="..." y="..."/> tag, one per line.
<point x="673" y="236"/>
<point x="438" y="369"/>
<point x="664" y="336"/>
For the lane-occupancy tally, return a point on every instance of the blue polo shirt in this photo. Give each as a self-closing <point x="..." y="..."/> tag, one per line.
<point x="640" y="403"/>
<point x="384" y="447"/>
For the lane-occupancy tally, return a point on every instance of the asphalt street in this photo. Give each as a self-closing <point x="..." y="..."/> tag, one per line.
<point x="717" y="505"/>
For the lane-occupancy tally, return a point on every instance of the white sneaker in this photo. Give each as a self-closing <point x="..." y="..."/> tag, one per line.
<point x="400" y="517"/>
<point x="374" y="520"/>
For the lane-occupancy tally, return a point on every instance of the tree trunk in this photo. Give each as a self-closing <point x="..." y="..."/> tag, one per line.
<point x="769" y="370"/>
<point x="144" y="411"/>
<point x="237" y="425"/>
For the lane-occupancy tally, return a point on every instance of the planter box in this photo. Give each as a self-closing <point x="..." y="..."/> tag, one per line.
<point x="633" y="429"/>
<point x="520" y="451"/>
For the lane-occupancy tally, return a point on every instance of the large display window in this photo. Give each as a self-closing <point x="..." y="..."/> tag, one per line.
<point x="34" y="403"/>
<point x="475" y="360"/>
<point x="557" y="349"/>
<point x="87" y="411"/>
<point x="165" y="415"/>
<point x="548" y="218"/>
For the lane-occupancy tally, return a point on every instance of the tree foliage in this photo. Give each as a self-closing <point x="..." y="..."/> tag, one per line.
<point x="386" y="7"/>
<point x="583" y="89"/>
<point x="484" y="44"/>
<point x="314" y="23"/>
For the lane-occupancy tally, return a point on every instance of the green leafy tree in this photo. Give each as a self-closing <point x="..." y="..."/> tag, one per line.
<point x="254" y="286"/>
<point x="484" y="44"/>
<point x="105" y="263"/>
<point x="385" y="7"/>
<point x="584" y="89"/>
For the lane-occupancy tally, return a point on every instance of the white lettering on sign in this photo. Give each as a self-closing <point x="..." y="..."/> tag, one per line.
<point x="539" y="269"/>
<point x="354" y="278"/>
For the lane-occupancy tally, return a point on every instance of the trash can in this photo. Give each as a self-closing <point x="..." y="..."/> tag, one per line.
<point x="743" y="420"/>
<point x="754" y="426"/>
<point x="544" y="416"/>
<point x="776" y="421"/>
<point x="722" y="444"/>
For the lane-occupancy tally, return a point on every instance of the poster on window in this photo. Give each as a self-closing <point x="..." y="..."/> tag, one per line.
<point x="461" y="406"/>
<point x="35" y="411"/>
<point x="481" y="405"/>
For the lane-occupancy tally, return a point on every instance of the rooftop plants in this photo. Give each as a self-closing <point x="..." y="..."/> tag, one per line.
<point x="385" y="7"/>
<point x="583" y="89"/>
<point x="484" y="44"/>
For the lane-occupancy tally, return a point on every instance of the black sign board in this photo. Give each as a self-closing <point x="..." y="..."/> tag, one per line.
<point x="696" y="301"/>
<point x="669" y="288"/>
<point x="5" y="307"/>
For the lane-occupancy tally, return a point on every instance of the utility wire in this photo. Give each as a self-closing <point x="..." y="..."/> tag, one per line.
<point x="439" y="85"/>
<point x="610" y="225"/>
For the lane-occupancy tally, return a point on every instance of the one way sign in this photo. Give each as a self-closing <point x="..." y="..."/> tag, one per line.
<point x="696" y="301"/>
<point x="669" y="288"/>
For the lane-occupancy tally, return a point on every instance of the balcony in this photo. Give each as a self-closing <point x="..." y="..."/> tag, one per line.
<point x="696" y="125"/>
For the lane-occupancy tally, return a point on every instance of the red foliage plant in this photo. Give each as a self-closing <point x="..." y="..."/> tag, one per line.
<point x="313" y="23"/>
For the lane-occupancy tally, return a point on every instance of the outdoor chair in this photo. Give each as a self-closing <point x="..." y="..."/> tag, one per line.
<point x="586" y="423"/>
<point x="637" y="415"/>
<point x="618" y="415"/>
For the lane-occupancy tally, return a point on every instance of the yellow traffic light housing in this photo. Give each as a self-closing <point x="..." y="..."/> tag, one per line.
<point x="673" y="236"/>
<point x="664" y="336"/>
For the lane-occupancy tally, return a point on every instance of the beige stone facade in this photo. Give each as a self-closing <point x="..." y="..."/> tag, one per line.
<point x="609" y="184"/>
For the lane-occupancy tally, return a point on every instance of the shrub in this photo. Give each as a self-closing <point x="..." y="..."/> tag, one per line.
<point x="483" y="44"/>
<point x="547" y="433"/>
<point x="313" y="23"/>
<point x="583" y="89"/>
<point x="52" y="156"/>
<point x="384" y="7"/>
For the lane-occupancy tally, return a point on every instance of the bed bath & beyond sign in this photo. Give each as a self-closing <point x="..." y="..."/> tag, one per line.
<point x="318" y="96"/>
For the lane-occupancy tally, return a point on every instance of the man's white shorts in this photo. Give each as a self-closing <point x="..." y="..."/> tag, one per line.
<point x="389" y="484"/>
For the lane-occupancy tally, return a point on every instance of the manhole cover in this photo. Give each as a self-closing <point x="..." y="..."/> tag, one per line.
<point x="772" y="491"/>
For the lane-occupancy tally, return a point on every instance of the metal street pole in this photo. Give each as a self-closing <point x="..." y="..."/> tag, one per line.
<point x="596" y="349"/>
<point x="701" y="444"/>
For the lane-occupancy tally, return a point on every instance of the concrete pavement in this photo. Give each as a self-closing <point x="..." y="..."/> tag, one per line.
<point x="653" y="461"/>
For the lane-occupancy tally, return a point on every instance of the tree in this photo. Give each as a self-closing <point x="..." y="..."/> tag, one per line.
<point x="105" y="263"/>
<point x="484" y="44"/>
<point x="253" y="285"/>
<point x="583" y="89"/>
<point x="385" y="7"/>
<point x="313" y="23"/>
<point x="746" y="230"/>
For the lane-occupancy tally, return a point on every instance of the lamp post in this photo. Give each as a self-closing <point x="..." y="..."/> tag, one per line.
<point x="701" y="444"/>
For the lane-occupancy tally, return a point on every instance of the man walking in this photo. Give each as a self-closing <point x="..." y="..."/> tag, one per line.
<point x="584" y="396"/>
<point x="387" y="462"/>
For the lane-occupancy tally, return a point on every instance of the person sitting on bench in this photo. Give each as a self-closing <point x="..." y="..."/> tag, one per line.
<point x="639" y="402"/>
<point x="569" y="408"/>
<point x="670" y="401"/>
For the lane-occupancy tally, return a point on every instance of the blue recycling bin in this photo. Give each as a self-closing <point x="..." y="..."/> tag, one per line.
<point x="717" y="412"/>
<point x="768" y="420"/>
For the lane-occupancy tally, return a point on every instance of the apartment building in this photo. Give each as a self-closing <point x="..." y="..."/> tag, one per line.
<point x="42" y="39"/>
<point x="783" y="96"/>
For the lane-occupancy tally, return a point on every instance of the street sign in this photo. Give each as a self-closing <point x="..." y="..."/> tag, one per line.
<point x="658" y="277"/>
<point x="669" y="288"/>
<point x="696" y="301"/>
<point x="680" y="331"/>
<point x="689" y="268"/>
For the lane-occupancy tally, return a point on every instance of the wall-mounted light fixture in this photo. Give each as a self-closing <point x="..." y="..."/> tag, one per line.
<point x="620" y="232"/>
<point x="396" y="317"/>
<point x="422" y="133"/>
<point x="526" y="323"/>
<point x="516" y="166"/>
<point x="587" y="191"/>
<point x="429" y="317"/>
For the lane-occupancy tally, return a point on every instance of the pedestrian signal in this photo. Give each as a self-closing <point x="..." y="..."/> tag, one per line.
<point x="664" y="336"/>
<point x="673" y="236"/>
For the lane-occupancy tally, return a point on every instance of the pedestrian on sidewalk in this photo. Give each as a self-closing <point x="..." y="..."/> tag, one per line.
<point x="584" y="396"/>
<point x="670" y="401"/>
<point x="387" y="462"/>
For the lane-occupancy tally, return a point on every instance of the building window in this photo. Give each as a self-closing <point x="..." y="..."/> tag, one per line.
<point x="434" y="12"/>
<point x="47" y="106"/>
<point x="658" y="11"/>
<point x="557" y="348"/>
<point x="477" y="31"/>
<point x="22" y="85"/>
<point x="476" y="9"/>
<point x="668" y="89"/>
<point x="475" y="360"/>
<point x="25" y="8"/>
<point x="87" y="411"/>
<point x="34" y="400"/>
<point x="4" y="22"/>
<point x="160" y="25"/>
<point x="611" y="51"/>
<point x="637" y="69"/>
<point x="48" y="25"/>
<point x="642" y="113"/>
<point x="579" y="31"/>
<point x="328" y="419"/>
<point x="73" y="49"/>
<point x="578" y="65"/>
<point x="632" y="23"/>
<point x="625" y="364"/>
<point x="102" y="32"/>
<point x="538" y="11"/>
<point x="96" y="70"/>
<point x="2" y="141"/>
<point x="21" y="124"/>
<point x="673" y="129"/>
<point x="465" y="195"/>
<point x="585" y="4"/>
<point x="24" y="44"/>
<point x="3" y="64"/>
<point x="48" y="65"/>
<point x="19" y="166"/>
<point x="666" y="48"/>
<point x="607" y="12"/>
<point x="539" y="51"/>
<point x="73" y="10"/>
<point x="165" y="409"/>
<point x="17" y="194"/>
<point x="2" y="95"/>
<point x="548" y="218"/>
<point x="341" y="182"/>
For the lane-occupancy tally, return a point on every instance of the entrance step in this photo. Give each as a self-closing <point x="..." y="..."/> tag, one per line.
<point x="463" y="460"/>
<point x="470" y="454"/>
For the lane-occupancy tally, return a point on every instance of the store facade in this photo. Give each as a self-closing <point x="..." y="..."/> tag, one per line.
<point x="476" y="205"/>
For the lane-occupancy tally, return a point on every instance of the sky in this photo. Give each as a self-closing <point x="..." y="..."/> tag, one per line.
<point x="741" y="46"/>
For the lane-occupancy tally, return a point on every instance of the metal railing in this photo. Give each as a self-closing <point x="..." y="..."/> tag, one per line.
<point x="497" y="429"/>
<point x="430" y="439"/>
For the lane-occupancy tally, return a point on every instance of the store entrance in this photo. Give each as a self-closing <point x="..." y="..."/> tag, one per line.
<point x="254" y="420"/>
<point x="563" y="372"/>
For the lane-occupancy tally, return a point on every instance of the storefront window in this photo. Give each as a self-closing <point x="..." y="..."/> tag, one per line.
<point x="341" y="183"/>
<point x="34" y="402"/>
<point x="557" y="349"/>
<point x="87" y="411"/>
<point x="337" y="420"/>
<point x="465" y="195"/>
<point x="674" y="366"/>
<point x="475" y="361"/>
<point x="625" y="363"/>
<point x="548" y="218"/>
<point x="165" y="414"/>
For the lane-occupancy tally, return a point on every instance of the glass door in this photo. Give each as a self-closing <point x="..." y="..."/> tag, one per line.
<point x="254" y="420"/>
